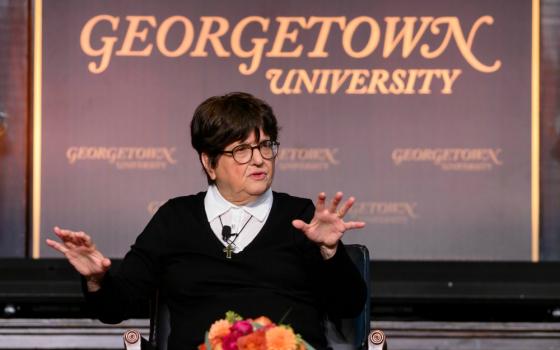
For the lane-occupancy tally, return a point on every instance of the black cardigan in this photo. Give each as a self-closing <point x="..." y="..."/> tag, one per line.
<point x="280" y="274"/>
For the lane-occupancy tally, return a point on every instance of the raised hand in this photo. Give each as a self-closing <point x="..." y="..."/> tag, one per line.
<point x="327" y="225"/>
<point x="82" y="254"/>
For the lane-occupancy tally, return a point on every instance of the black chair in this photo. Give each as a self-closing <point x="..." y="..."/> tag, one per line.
<point x="341" y="334"/>
<point x="352" y="333"/>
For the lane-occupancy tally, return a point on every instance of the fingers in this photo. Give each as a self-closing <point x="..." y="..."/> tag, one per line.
<point x="335" y="203"/>
<point x="345" y="207"/>
<point x="106" y="263"/>
<point x="336" y="200"/>
<point x="70" y="241"/>
<point x="350" y="225"/>
<point x="69" y="237"/>
<point x="320" y="206"/>
<point x="85" y="239"/>
<point x="66" y="235"/>
<point x="299" y="224"/>
<point x="55" y="245"/>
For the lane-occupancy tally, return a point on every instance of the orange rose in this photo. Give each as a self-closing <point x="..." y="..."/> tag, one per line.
<point x="218" y="330"/>
<point x="252" y="341"/>
<point x="281" y="338"/>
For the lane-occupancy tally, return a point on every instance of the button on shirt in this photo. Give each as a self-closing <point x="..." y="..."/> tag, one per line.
<point x="252" y="216"/>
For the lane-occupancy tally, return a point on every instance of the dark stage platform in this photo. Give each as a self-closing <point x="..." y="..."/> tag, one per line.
<point x="402" y="291"/>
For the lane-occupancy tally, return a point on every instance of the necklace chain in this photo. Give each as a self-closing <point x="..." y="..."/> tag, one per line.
<point x="231" y="244"/>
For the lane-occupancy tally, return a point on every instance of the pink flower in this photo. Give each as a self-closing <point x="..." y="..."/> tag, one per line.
<point x="243" y="327"/>
<point x="239" y="329"/>
<point x="229" y="342"/>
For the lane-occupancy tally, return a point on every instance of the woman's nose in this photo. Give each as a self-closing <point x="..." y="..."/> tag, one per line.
<point x="257" y="157"/>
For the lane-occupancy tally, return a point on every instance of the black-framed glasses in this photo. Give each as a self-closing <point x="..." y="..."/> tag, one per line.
<point x="243" y="153"/>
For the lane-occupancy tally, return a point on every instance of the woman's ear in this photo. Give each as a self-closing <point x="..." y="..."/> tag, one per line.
<point x="207" y="166"/>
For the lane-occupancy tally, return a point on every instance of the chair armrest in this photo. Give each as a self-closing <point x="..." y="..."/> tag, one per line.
<point x="377" y="340"/>
<point x="134" y="341"/>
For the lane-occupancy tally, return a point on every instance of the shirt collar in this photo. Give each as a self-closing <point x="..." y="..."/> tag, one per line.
<point x="216" y="205"/>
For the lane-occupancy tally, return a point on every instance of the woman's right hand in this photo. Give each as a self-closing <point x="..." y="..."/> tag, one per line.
<point x="83" y="255"/>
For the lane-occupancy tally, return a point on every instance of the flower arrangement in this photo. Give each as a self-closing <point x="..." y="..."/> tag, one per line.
<point x="235" y="333"/>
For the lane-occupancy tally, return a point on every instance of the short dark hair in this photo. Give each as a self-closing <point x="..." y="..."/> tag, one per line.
<point x="222" y="120"/>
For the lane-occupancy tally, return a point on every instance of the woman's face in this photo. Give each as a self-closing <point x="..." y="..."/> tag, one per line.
<point x="242" y="183"/>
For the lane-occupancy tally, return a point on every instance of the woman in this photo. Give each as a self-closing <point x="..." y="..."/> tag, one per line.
<point x="238" y="246"/>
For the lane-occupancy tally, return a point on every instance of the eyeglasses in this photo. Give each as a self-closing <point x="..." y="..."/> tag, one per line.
<point x="243" y="153"/>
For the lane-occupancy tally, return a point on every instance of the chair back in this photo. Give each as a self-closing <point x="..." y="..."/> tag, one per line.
<point x="342" y="334"/>
<point x="352" y="334"/>
<point x="160" y="324"/>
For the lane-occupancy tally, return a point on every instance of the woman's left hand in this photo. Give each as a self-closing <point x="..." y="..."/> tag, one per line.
<point x="328" y="225"/>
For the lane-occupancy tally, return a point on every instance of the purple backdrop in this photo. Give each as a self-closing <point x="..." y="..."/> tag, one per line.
<point x="421" y="109"/>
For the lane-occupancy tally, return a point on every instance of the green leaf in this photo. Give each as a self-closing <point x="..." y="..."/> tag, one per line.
<point x="232" y="316"/>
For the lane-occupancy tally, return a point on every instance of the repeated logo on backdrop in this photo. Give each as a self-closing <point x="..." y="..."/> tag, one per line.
<point x="383" y="212"/>
<point x="307" y="159"/>
<point x="124" y="158"/>
<point x="450" y="159"/>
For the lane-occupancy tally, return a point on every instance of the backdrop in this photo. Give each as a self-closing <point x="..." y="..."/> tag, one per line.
<point x="14" y="85"/>
<point x="420" y="109"/>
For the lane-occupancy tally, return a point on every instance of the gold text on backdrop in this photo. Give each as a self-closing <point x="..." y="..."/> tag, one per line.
<point x="451" y="159"/>
<point x="105" y="36"/>
<point x="124" y="157"/>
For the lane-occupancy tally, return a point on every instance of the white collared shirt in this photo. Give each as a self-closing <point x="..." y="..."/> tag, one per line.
<point x="252" y="216"/>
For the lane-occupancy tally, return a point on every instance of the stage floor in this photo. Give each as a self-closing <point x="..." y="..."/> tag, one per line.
<point x="417" y="335"/>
